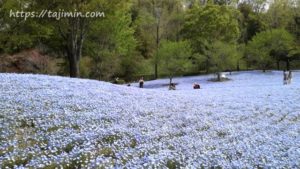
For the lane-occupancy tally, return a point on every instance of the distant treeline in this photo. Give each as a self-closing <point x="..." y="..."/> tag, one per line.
<point x="156" y="37"/>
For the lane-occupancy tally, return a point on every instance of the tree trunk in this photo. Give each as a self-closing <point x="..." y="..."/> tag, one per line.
<point x="219" y="76"/>
<point x="74" y="59"/>
<point x="207" y="66"/>
<point x="238" y="66"/>
<point x="171" y="79"/>
<point x="157" y="47"/>
<point x="247" y="65"/>
<point x="288" y="64"/>
<point x="74" y="66"/>
<point x="74" y="37"/>
<point x="155" y="71"/>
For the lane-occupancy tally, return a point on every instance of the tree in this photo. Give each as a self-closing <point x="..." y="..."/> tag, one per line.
<point x="224" y="56"/>
<point x="208" y="24"/>
<point x="112" y="46"/>
<point x="240" y="55"/>
<point x="17" y="34"/>
<point x="280" y="14"/>
<point x="258" y="6"/>
<point x="282" y="47"/>
<point x="250" y="22"/>
<point x="285" y="14"/>
<point x="72" y="31"/>
<point x="155" y="21"/>
<point x="73" y="37"/>
<point x="276" y="43"/>
<point x="175" y="57"/>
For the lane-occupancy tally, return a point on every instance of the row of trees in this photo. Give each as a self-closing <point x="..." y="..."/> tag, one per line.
<point x="159" y="37"/>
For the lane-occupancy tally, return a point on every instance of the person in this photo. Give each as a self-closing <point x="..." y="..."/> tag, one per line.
<point x="285" y="77"/>
<point x="116" y="81"/>
<point x="172" y="86"/>
<point x="196" y="86"/>
<point x="141" y="82"/>
<point x="290" y="76"/>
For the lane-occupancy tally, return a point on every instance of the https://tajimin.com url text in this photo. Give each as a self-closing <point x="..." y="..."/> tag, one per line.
<point x="55" y="14"/>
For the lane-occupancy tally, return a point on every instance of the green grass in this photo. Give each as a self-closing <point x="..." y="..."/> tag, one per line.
<point x="27" y="124"/>
<point x="18" y="161"/>
<point x="107" y="152"/>
<point x="110" y="139"/>
<point x="173" y="164"/>
<point x="69" y="147"/>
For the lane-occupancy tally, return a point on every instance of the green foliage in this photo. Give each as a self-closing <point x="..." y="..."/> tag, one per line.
<point x="137" y="36"/>
<point x="110" y="139"/>
<point x="175" y="56"/>
<point x="211" y="23"/>
<point x="280" y="14"/>
<point x="208" y="24"/>
<point x="173" y="164"/>
<point x="27" y="123"/>
<point x="198" y="61"/>
<point x="267" y="42"/>
<point x="112" y="46"/>
<point x="155" y="21"/>
<point x="69" y="147"/>
<point x="85" y="67"/>
<point x="107" y="152"/>
<point x="224" y="56"/>
<point x="250" y="22"/>
<point x="18" y="161"/>
<point x="133" y="143"/>
<point x="120" y="81"/>
<point x="16" y="34"/>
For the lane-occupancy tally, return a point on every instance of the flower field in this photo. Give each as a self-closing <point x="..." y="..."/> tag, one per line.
<point x="251" y="121"/>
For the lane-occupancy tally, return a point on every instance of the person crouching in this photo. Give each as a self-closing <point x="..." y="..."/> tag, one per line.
<point x="172" y="86"/>
<point x="196" y="86"/>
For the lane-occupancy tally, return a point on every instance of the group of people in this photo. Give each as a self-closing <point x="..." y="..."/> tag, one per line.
<point x="287" y="77"/>
<point x="172" y="86"/>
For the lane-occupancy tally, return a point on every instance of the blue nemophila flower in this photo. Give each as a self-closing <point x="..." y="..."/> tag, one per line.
<point x="251" y="121"/>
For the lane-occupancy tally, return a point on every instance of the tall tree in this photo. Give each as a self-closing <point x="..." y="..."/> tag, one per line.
<point x="208" y="24"/>
<point x="175" y="57"/>
<point x="73" y="30"/>
<point x="277" y="43"/>
<point x="16" y="33"/>
<point x="156" y="20"/>
<point x="224" y="56"/>
<point x="280" y="14"/>
<point x="258" y="6"/>
<point x="112" y="46"/>
<point x="250" y="22"/>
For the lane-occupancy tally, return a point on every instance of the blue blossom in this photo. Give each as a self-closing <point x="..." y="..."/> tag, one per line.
<point x="250" y="121"/>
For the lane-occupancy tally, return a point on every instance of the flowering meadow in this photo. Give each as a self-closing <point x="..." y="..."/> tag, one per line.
<point x="251" y="121"/>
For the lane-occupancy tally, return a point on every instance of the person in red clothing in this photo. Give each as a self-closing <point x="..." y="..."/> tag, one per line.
<point x="196" y="86"/>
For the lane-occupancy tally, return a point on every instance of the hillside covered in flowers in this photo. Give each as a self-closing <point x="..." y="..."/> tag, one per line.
<point x="251" y="121"/>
